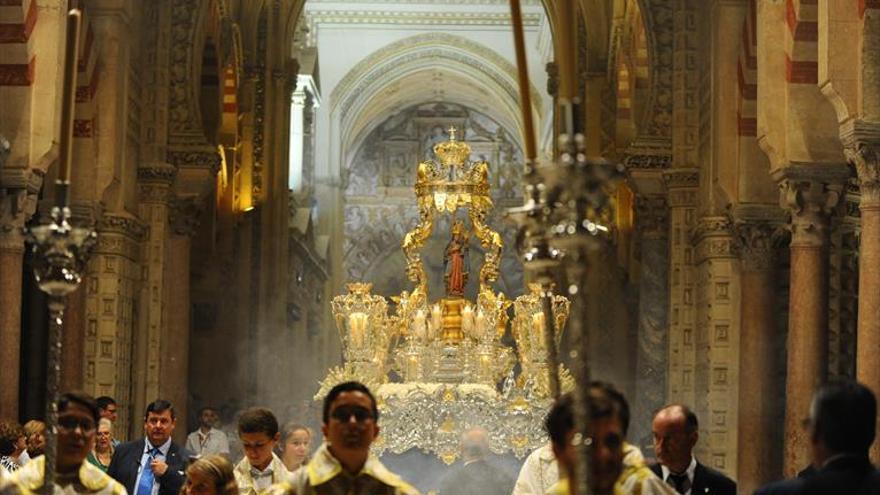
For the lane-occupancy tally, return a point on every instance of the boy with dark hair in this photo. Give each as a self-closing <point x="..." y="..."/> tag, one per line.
<point x="260" y="468"/>
<point x="344" y="464"/>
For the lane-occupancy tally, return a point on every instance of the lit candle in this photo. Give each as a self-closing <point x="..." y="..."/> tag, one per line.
<point x="480" y="324"/>
<point x="467" y="320"/>
<point x="357" y="326"/>
<point x="419" y="324"/>
<point x="436" y="318"/>
<point x="538" y="330"/>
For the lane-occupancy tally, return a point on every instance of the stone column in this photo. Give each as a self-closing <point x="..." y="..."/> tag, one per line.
<point x="297" y="107"/>
<point x="681" y="185"/>
<point x="651" y="358"/>
<point x="154" y="183"/>
<point x="716" y="342"/>
<point x="11" y="257"/>
<point x="757" y="241"/>
<point x="184" y="218"/>
<point x="809" y="193"/>
<point x="866" y="158"/>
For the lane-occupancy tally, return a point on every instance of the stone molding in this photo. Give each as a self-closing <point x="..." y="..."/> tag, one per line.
<point x="154" y="181"/>
<point x="713" y="238"/>
<point x="121" y="235"/>
<point x="158" y="172"/>
<point x="203" y="156"/>
<point x="652" y="216"/>
<point x="659" y="18"/>
<point x="427" y="46"/>
<point x="127" y="225"/>
<point x="810" y="193"/>
<point x="183" y="112"/>
<point x="681" y="178"/>
<point x="184" y="215"/>
<point x="450" y="18"/>
<point x="681" y="186"/>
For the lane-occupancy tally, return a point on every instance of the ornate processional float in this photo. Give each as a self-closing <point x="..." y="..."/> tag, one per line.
<point x="439" y="366"/>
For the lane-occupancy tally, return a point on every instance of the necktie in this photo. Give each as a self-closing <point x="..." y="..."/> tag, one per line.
<point x="680" y="482"/>
<point x="145" y="484"/>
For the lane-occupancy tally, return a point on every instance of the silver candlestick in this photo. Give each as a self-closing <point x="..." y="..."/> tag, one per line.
<point x="60" y="255"/>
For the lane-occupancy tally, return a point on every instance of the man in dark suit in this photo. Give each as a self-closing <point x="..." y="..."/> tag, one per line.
<point x="153" y="465"/>
<point x="842" y="427"/>
<point x="676" y="431"/>
<point x="476" y="475"/>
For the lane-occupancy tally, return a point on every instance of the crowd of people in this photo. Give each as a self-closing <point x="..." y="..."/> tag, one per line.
<point x="276" y="461"/>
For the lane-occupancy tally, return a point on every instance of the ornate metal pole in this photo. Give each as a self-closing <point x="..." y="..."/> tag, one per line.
<point x="60" y="250"/>
<point x="562" y="201"/>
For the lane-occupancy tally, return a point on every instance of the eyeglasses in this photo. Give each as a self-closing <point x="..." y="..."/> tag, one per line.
<point x="344" y="413"/>
<point x="71" y="423"/>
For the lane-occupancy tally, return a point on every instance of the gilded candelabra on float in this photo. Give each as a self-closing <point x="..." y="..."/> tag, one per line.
<point x="60" y="250"/>
<point x="440" y="367"/>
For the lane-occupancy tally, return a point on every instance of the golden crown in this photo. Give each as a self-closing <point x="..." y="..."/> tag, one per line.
<point x="452" y="152"/>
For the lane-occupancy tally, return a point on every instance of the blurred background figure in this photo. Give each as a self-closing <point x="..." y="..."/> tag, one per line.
<point x="210" y="475"/>
<point x="207" y="439"/>
<point x="12" y="444"/>
<point x="296" y="442"/>
<point x="476" y="475"/>
<point x="108" y="408"/>
<point x="35" y="430"/>
<point x="841" y="427"/>
<point x="102" y="453"/>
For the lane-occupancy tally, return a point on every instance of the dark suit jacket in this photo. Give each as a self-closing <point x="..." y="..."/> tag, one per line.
<point x="126" y="462"/>
<point x="706" y="481"/>
<point x="846" y="475"/>
<point x="476" y="478"/>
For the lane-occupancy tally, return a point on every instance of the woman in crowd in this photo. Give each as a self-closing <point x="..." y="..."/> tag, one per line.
<point x="11" y="445"/>
<point x="36" y="437"/>
<point x="210" y="475"/>
<point x="102" y="453"/>
<point x="295" y="442"/>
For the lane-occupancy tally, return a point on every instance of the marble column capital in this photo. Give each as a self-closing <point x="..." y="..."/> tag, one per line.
<point x="865" y="157"/>
<point x="757" y="242"/>
<point x="185" y="215"/>
<point x="810" y="193"/>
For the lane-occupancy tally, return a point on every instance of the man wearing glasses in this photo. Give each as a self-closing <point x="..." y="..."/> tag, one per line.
<point x="77" y="417"/>
<point x="343" y="464"/>
<point x="153" y="465"/>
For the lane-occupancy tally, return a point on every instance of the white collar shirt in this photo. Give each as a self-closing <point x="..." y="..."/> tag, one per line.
<point x="213" y="442"/>
<point x="691" y="469"/>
